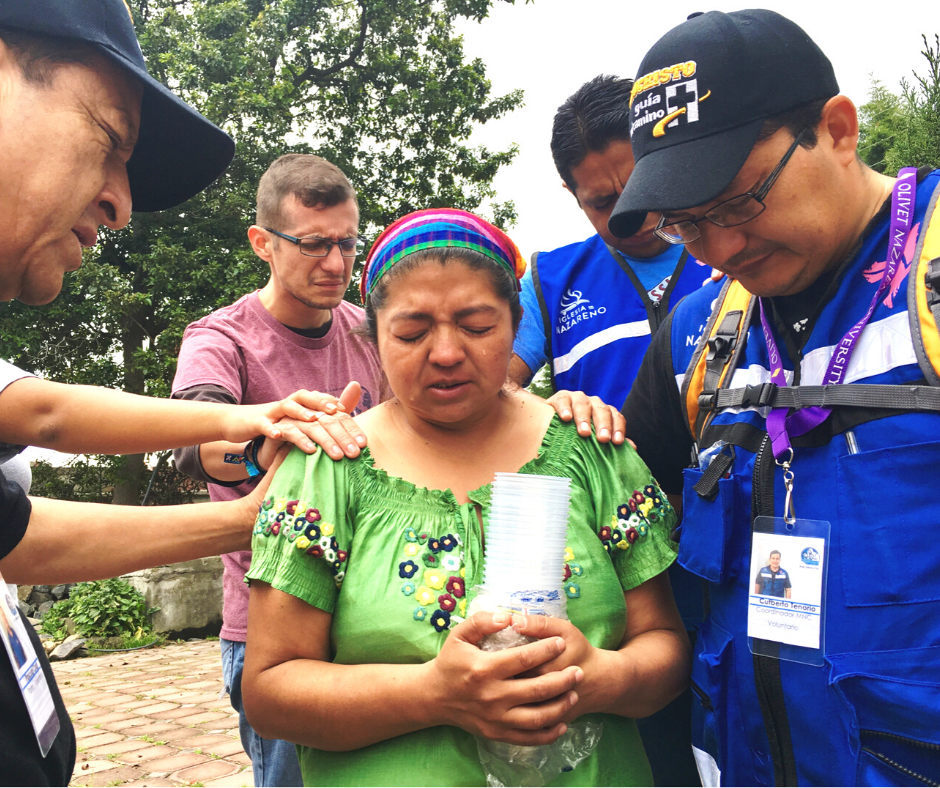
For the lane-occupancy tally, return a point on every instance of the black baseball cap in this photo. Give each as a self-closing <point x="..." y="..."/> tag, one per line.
<point x="178" y="152"/>
<point x="700" y="99"/>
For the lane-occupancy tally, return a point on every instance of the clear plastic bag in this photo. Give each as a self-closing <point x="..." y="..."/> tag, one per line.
<point x="516" y="765"/>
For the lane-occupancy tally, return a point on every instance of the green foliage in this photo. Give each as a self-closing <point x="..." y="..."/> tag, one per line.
<point x="541" y="384"/>
<point x="904" y="131"/>
<point x="53" y="622"/>
<point x="380" y="87"/>
<point x="102" y="609"/>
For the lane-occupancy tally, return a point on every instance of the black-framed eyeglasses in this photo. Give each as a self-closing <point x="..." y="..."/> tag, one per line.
<point x="320" y="247"/>
<point x="730" y="213"/>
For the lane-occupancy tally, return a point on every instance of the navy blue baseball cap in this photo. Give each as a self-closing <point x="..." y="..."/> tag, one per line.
<point x="178" y="152"/>
<point x="700" y="100"/>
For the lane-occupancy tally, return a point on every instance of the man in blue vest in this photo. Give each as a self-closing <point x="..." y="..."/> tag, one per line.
<point x="792" y="401"/>
<point x="771" y="580"/>
<point x="589" y="310"/>
<point x="591" y="307"/>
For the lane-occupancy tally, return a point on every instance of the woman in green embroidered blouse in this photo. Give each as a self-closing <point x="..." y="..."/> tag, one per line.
<point x="359" y="648"/>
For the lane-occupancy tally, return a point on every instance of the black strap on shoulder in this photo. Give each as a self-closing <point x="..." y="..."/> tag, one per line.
<point x="720" y="348"/>
<point x="546" y="320"/>
<point x="853" y="395"/>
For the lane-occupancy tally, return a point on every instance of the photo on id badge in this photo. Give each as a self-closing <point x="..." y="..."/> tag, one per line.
<point x="786" y="589"/>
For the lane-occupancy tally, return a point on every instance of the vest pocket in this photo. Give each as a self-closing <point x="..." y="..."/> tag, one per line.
<point x="888" y="525"/>
<point x="706" y="529"/>
<point x="893" y="704"/>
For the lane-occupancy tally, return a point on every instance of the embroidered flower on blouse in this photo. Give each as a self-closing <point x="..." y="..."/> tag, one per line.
<point x="412" y="549"/>
<point x="632" y="535"/>
<point x="267" y="503"/>
<point x="434" y="545"/>
<point x="342" y="555"/>
<point x="435" y="578"/>
<point x="431" y="560"/>
<point x="408" y="588"/>
<point x="302" y="543"/>
<point x="569" y="554"/>
<point x="411" y="535"/>
<point x="623" y="511"/>
<point x="312" y="532"/>
<point x="326" y="529"/>
<point x="276" y="529"/>
<point x="604" y="533"/>
<point x="425" y="596"/>
<point x="312" y="515"/>
<point x="462" y="608"/>
<point x="448" y="543"/>
<point x="291" y="507"/>
<point x="440" y="619"/>
<point x="572" y="590"/>
<point x="576" y="570"/>
<point x="316" y="551"/>
<point x="451" y="563"/>
<point x="407" y="569"/>
<point x="456" y="586"/>
<point x="447" y="603"/>
<point x="567" y="573"/>
<point x="420" y="614"/>
<point x="638" y="497"/>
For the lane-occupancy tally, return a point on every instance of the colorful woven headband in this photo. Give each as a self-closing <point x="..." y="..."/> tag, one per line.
<point x="439" y="228"/>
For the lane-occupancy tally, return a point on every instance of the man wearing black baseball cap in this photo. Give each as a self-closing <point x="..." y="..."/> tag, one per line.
<point x="743" y="144"/>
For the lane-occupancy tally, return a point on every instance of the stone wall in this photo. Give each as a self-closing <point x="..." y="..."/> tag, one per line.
<point x="189" y="596"/>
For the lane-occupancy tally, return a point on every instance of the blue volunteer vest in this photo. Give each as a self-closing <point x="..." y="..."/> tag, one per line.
<point x="591" y="301"/>
<point x="871" y="714"/>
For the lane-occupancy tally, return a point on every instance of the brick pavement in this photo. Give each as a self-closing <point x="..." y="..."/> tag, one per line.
<point x="153" y="717"/>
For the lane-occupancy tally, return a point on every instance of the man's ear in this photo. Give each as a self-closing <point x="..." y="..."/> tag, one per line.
<point x="839" y="126"/>
<point x="261" y="242"/>
<point x="567" y="188"/>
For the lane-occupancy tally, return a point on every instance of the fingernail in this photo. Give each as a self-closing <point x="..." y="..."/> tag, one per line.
<point x="572" y="697"/>
<point x="604" y="433"/>
<point x="585" y="425"/>
<point x="337" y="451"/>
<point x="275" y="433"/>
<point x="501" y="618"/>
<point x="330" y="406"/>
<point x="566" y="414"/>
<point x="352" y="447"/>
<point x="618" y="436"/>
<point x="308" y="414"/>
<point x="559" y="644"/>
<point x="361" y="440"/>
<point x="310" y="445"/>
<point x="518" y="621"/>
<point x="579" y="675"/>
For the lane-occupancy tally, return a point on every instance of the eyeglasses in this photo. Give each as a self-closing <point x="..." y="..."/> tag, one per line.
<point x="730" y="213"/>
<point x="320" y="247"/>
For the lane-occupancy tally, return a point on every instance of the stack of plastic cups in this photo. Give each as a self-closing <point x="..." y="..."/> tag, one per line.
<point x="525" y="543"/>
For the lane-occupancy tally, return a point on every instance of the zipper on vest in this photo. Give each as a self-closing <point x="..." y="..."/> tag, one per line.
<point x="917" y="743"/>
<point x="767" y="679"/>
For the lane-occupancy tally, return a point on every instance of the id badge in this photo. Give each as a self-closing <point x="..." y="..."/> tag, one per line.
<point x="28" y="671"/>
<point x="786" y="616"/>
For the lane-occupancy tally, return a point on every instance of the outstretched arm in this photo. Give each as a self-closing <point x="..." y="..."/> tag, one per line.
<point x="92" y="420"/>
<point x="68" y="542"/>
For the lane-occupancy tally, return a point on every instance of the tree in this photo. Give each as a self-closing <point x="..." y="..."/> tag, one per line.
<point x="379" y="87"/>
<point x="904" y="131"/>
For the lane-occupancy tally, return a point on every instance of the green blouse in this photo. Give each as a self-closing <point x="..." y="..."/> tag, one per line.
<point x="397" y="565"/>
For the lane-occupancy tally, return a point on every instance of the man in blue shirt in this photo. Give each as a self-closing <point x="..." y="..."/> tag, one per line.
<point x="772" y="580"/>
<point x="590" y="308"/>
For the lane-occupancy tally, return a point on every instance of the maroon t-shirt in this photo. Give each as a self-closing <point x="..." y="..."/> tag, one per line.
<point x="243" y="349"/>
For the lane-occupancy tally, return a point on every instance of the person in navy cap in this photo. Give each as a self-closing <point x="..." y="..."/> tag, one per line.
<point x="85" y="135"/>
<point x="793" y="399"/>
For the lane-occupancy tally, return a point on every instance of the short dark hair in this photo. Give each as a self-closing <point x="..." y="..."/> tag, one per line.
<point x="313" y="180"/>
<point x="595" y="115"/>
<point x="503" y="283"/>
<point x="40" y="56"/>
<point x="775" y="552"/>
<point x="806" y="116"/>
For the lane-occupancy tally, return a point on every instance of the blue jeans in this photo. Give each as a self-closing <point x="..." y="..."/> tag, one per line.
<point x="273" y="762"/>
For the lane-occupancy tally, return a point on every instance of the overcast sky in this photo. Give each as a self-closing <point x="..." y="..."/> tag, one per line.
<point x="551" y="47"/>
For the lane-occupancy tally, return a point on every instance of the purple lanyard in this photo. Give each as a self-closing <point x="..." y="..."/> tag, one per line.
<point x="780" y="426"/>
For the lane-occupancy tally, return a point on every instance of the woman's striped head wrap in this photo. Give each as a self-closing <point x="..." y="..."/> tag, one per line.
<point x="439" y="228"/>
